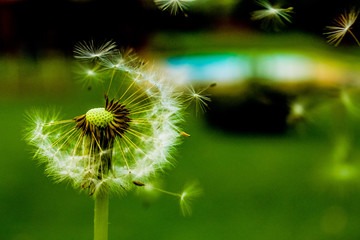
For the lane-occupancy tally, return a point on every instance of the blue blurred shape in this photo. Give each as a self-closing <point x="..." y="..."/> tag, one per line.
<point x="220" y="67"/>
<point x="232" y="67"/>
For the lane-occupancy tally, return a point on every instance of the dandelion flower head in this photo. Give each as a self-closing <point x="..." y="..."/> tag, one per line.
<point x="127" y="139"/>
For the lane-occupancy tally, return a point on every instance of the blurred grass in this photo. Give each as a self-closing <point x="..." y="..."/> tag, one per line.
<point x="255" y="186"/>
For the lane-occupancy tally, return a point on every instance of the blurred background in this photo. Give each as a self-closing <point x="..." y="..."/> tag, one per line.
<point x="276" y="151"/>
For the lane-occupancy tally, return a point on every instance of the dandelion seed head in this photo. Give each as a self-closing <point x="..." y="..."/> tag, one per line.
<point x="130" y="136"/>
<point x="99" y="117"/>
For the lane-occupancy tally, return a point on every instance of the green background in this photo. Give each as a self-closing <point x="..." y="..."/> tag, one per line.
<point x="303" y="184"/>
<point x="284" y="186"/>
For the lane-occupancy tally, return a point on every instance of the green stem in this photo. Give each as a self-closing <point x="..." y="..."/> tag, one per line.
<point x="101" y="215"/>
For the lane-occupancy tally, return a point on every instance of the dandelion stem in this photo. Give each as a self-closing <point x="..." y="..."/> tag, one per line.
<point x="101" y="214"/>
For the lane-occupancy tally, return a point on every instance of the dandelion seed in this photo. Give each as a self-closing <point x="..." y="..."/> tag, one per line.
<point x="185" y="134"/>
<point x="190" y="192"/>
<point x="173" y="5"/>
<point x="342" y="26"/>
<point x="272" y="14"/>
<point x="198" y="97"/>
<point x="88" y="76"/>
<point x="89" y="51"/>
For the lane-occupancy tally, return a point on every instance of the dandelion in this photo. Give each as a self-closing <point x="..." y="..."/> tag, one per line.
<point x="117" y="146"/>
<point x="190" y="191"/>
<point x="342" y="26"/>
<point x="88" y="50"/>
<point x="198" y="97"/>
<point x="88" y="75"/>
<point x="272" y="14"/>
<point x="173" y="5"/>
